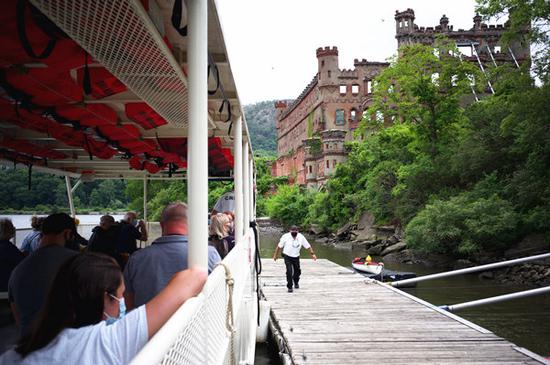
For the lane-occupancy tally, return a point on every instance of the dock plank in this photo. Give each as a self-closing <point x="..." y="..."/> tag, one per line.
<point x="338" y="317"/>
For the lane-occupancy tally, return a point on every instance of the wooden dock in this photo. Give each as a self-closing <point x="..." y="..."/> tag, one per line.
<point x="340" y="317"/>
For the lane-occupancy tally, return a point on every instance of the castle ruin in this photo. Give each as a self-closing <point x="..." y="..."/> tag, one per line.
<point x="312" y="129"/>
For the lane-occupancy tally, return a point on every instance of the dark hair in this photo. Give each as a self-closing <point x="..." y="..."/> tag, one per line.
<point x="75" y="298"/>
<point x="36" y="222"/>
<point x="57" y="223"/>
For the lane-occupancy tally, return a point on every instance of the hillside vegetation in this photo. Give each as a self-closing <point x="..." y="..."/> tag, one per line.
<point x="461" y="177"/>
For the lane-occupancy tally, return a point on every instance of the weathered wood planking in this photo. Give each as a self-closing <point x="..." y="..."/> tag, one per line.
<point x="338" y="317"/>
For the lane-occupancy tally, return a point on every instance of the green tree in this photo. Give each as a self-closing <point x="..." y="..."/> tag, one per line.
<point x="529" y="21"/>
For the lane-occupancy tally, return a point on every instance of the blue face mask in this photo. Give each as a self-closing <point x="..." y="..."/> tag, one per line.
<point x="121" y="311"/>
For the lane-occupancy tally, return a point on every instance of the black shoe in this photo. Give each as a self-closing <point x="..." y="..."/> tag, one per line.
<point x="290" y="290"/>
<point x="297" y="286"/>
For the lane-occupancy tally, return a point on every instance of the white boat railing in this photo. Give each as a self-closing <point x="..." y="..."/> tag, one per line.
<point x="201" y="331"/>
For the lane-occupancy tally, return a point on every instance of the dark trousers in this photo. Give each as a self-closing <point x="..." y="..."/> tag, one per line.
<point x="292" y="270"/>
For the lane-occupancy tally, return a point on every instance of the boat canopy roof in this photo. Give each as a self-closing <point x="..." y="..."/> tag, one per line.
<point x="98" y="89"/>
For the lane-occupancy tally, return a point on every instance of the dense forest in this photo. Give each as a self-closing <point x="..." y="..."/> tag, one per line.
<point x="260" y="118"/>
<point x="460" y="177"/>
<point x="48" y="193"/>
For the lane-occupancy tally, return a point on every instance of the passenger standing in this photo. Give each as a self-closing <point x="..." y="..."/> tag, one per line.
<point x="10" y="256"/>
<point x="220" y="226"/>
<point x="104" y="237"/>
<point x="31" y="279"/>
<point x="84" y="322"/>
<point x="131" y="230"/>
<point x="149" y="270"/>
<point x="32" y="240"/>
<point x="291" y="243"/>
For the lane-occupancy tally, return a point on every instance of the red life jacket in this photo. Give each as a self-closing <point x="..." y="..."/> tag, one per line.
<point x="90" y="115"/>
<point x="120" y="132"/>
<point x="30" y="149"/>
<point x="98" y="148"/>
<point x="137" y="146"/>
<point x="102" y="81"/>
<point x="47" y="88"/>
<point x="144" y="115"/>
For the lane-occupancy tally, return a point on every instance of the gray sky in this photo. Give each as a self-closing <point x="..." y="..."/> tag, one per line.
<point x="272" y="43"/>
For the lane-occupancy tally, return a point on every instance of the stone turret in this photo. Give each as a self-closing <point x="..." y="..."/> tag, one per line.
<point x="444" y="23"/>
<point x="404" y="21"/>
<point x="280" y="107"/>
<point x="327" y="59"/>
<point x="477" y="21"/>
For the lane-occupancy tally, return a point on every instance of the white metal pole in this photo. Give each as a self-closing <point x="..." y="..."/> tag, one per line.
<point x="246" y="185"/>
<point x="197" y="150"/>
<point x="70" y="195"/>
<point x="145" y="199"/>
<point x="469" y="270"/>
<point x="78" y="182"/>
<point x="252" y="189"/>
<point x="238" y="170"/>
<point x="497" y="299"/>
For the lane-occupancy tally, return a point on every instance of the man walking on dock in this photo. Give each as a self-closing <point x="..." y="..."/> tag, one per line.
<point x="291" y="243"/>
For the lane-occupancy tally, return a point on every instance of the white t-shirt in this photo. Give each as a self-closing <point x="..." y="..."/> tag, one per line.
<point x="97" y="344"/>
<point x="291" y="246"/>
<point x="226" y="203"/>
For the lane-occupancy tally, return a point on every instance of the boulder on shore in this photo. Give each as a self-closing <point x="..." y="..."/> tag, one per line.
<point x="395" y="247"/>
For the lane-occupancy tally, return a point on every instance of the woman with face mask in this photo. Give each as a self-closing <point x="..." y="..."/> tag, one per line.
<point x="84" y="319"/>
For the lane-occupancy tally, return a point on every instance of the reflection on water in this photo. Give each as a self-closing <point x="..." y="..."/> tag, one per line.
<point x="525" y="322"/>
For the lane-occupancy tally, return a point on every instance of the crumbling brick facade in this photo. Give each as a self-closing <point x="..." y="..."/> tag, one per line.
<point x="324" y="116"/>
<point x="311" y="130"/>
<point x="483" y="39"/>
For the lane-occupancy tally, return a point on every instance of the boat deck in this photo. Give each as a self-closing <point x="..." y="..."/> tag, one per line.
<point x="339" y="317"/>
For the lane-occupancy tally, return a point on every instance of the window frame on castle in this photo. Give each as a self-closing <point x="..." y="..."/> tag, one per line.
<point x="328" y="164"/>
<point x="310" y="169"/>
<point x="328" y="73"/>
<point x="355" y="89"/>
<point x="369" y="86"/>
<point x="343" y="89"/>
<point x="353" y="114"/>
<point x="339" y="119"/>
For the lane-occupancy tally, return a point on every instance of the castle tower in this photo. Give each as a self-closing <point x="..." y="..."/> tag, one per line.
<point x="444" y="23"/>
<point x="280" y="107"/>
<point x="477" y="21"/>
<point x="327" y="59"/>
<point x="404" y="21"/>
<point x="333" y="149"/>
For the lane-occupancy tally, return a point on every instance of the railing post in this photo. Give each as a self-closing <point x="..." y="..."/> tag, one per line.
<point x="252" y="189"/>
<point x="246" y="185"/>
<point x="197" y="150"/>
<point x="238" y="177"/>
<point x="145" y="199"/>
<point x="70" y="195"/>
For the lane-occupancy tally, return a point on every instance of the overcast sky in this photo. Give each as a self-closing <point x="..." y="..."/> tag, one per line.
<point x="272" y="43"/>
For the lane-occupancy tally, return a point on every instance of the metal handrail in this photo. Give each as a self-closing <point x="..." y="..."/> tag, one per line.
<point x="497" y="299"/>
<point x="469" y="270"/>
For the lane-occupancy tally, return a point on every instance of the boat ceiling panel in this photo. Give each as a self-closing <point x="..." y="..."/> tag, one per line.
<point x="141" y="60"/>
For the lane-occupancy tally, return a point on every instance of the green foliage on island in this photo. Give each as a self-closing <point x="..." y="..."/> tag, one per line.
<point x="461" y="177"/>
<point x="48" y="194"/>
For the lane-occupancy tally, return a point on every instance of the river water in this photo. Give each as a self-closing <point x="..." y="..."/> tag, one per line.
<point x="525" y="322"/>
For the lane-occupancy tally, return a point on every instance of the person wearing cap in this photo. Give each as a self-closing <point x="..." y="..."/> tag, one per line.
<point x="291" y="243"/>
<point x="31" y="279"/>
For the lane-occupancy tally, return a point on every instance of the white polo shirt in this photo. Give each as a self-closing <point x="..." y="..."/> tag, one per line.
<point x="291" y="246"/>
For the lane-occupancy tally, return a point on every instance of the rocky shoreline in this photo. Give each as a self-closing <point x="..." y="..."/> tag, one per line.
<point x="387" y="242"/>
